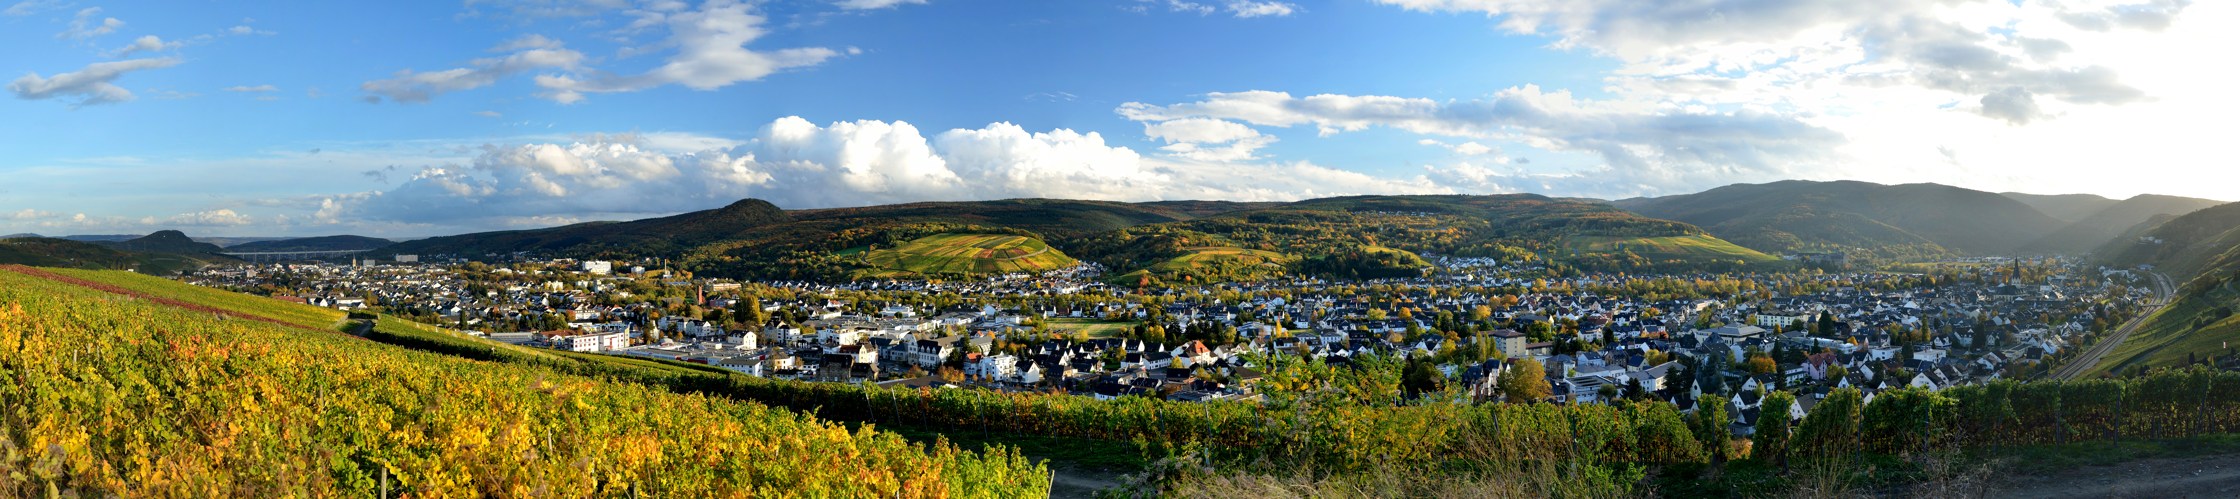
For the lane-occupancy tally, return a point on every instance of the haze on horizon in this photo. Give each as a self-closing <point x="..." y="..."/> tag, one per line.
<point x="303" y="119"/>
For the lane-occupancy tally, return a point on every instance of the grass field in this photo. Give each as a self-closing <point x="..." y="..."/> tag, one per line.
<point x="1095" y="328"/>
<point x="1670" y="247"/>
<point x="968" y="254"/>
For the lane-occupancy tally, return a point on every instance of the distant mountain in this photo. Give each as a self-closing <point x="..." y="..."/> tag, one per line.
<point x="165" y="241"/>
<point x="2063" y="207"/>
<point x="665" y="236"/>
<point x="2183" y="247"/>
<point x="93" y="238"/>
<point x="1889" y="221"/>
<point x="324" y="243"/>
<point x="51" y="252"/>
<point x="1216" y="239"/>
<point x="19" y="236"/>
<point x="228" y="242"/>
<point x="2201" y="252"/>
<point x="2103" y="226"/>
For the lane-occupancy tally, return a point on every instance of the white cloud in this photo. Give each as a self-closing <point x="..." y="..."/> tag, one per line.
<point x="1192" y="7"/>
<point x="1785" y="54"/>
<point x="1635" y="141"/>
<point x="1206" y="139"/>
<point x="1249" y="9"/>
<point x="29" y="7"/>
<point x="85" y="25"/>
<point x="212" y="218"/>
<point x="528" y="53"/>
<point x="1465" y="148"/>
<point x="30" y="214"/>
<point x="874" y="4"/>
<point x="710" y="53"/>
<point x="258" y="88"/>
<point x="488" y="114"/>
<point x="91" y="86"/>
<point x="148" y="43"/>
<point x="798" y="164"/>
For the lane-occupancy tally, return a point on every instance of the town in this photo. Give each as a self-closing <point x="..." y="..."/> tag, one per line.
<point x="1470" y="329"/>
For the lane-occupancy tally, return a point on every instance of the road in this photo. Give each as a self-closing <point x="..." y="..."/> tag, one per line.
<point x="2091" y="358"/>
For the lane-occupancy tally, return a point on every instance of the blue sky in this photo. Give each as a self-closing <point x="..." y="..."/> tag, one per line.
<point x="239" y="118"/>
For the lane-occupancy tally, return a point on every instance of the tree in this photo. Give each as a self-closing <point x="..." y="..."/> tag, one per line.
<point x="1832" y="430"/>
<point x="1710" y="425"/>
<point x="1770" y="440"/>
<point x="1526" y="380"/>
<point x="1419" y="377"/>
<point x="1762" y="365"/>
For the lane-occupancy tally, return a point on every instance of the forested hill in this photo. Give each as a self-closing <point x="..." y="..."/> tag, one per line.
<point x="2113" y="221"/>
<point x="1217" y="240"/>
<point x="1889" y="221"/>
<point x="2199" y="251"/>
<point x="323" y="243"/>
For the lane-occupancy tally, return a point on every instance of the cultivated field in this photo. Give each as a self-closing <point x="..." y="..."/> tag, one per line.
<point x="968" y="254"/>
<point x="1094" y="328"/>
<point x="1669" y="247"/>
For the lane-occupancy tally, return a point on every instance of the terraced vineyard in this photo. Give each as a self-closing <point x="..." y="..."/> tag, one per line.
<point x="1691" y="247"/>
<point x="119" y="394"/>
<point x="952" y="254"/>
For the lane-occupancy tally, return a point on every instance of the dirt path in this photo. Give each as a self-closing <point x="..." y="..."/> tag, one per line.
<point x="1068" y="482"/>
<point x="2216" y="476"/>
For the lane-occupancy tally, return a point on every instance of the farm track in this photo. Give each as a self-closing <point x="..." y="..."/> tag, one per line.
<point x="111" y="289"/>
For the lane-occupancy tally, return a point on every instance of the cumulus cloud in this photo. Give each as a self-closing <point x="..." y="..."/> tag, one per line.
<point x="252" y="89"/>
<point x="1643" y="142"/>
<point x="796" y="163"/>
<point x="1775" y="53"/>
<point x="711" y="53"/>
<point x="874" y="4"/>
<point x="1207" y="139"/>
<point x="89" y="86"/>
<point x="526" y="54"/>
<point x="88" y="24"/>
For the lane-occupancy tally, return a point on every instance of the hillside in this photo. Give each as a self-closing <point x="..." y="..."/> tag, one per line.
<point x="48" y="252"/>
<point x="2111" y="222"/>
<point x="967" y="254"/>
<point x="1887" y="221"/>
<point x="665" y="236"/>
<point x="2063" y="207"/>
<point x="165" y="241"/>
<point x="2200" y="251"/>
<point x="324" y="243"/>
<point x="1184" y="240"/>
<point x="157" y="396"/>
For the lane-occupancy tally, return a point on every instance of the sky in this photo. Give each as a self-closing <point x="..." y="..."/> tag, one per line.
<point x="410" y="119"/>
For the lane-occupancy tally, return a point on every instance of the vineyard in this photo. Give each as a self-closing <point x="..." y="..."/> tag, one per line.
<point x="1596" y="450"/>
<point x="966" y="254"/>
<point x="112" y="394"/>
